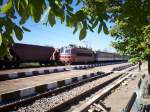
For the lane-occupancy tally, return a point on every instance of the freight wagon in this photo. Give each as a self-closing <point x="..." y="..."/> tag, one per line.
<point x="25" y="53"/>
<point x="105" y="56"/>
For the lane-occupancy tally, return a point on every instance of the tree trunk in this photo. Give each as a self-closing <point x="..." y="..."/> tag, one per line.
<point x="149" y="66"/>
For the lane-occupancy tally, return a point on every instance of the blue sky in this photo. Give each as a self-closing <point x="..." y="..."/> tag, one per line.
<point x="60" y="35"/>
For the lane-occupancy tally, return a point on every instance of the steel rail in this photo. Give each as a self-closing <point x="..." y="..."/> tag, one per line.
<point x="99" y="95"/>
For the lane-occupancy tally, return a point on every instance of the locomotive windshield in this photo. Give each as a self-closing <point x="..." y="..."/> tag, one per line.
<point x="62" y="50"/>
<point x="65" y="50"/>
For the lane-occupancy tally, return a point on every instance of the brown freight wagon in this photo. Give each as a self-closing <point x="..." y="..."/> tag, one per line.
<point x="25" y="53"/>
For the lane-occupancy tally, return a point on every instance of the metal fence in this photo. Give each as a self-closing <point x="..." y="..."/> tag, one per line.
<point x="134" y="102"/>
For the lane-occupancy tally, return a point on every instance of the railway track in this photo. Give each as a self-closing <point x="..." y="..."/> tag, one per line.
<point x="83" y="102"/>
<point x="59" y="98"/>
<point x="95" y="103"/>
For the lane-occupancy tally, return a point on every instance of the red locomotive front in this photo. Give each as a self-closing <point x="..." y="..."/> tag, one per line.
<point x="66" y="55"/>
<point x="72" y="54"/>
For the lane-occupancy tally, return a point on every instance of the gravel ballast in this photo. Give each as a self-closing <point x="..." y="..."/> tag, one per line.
<point x="47" y="103"/>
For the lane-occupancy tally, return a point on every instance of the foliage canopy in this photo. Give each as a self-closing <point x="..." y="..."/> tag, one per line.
<point x="49" y="11"/>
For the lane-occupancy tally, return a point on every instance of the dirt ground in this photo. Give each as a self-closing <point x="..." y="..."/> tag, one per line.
<point x="120" y="97"/>
<point x="145" y="65"/>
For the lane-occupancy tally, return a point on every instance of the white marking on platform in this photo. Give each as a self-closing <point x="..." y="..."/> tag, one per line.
<point x="29" y="73"/>
<point x="27" y="92"/>
<point x="60" y="69"/>
<point x="89" y="75"/>
<point x="52" y="85"/>
<point x="80" y="78"/>
<point x="41" y="71"/>
<point x="51" y="70"/>
<point x="13" y="75"/>
<point x="68" y="81"/>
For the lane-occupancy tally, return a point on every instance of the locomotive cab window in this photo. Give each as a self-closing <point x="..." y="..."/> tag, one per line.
<point x="68" y="51"/>
<point x="61" y="50"/>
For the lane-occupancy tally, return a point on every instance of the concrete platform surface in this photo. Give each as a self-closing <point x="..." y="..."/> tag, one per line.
<point x="10" y="71"/>
<point x="16" y="84"/>
<point x="29" y="72"/>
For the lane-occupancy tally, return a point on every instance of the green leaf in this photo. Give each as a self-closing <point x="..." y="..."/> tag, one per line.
<point x="33" y="13"/>
<point x="92" y="20"/>
<point x="1" y="2"/>
<point x="78" y="2"/>
<point x="105" y="16"/>
<point x="18" y="32"/>
<point x="6" y="7"/>
<point x="23" y="20"/>
<point x="10" y="37"/>
<point x="0" y="39"/>
<point x="82" y="34"/>
<point x="105" y="29"/>
<point x="68" y="21"/>
<point x="69" y="1"/>
<point x="51" y="19"/>
<point x="100" y="28"/>
<point x="79" y="15"/>
<point x="26" y="29"/>
<point x="84" y="23"/>
<point x="23" y="10"/>
<point x="59" y="12"/>
<point x="90" y="28"/>
<point x="3" y="50"/>
<point x="75" y="29"/>
<point x="69" y="8"/>
<point x="95" y="24"/>
<point x="26" y="1"/>
<point x="36" y="10"/>
<point x="4" y="47"/>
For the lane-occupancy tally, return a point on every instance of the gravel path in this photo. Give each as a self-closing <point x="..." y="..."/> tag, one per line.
<point x="45" y="104"/>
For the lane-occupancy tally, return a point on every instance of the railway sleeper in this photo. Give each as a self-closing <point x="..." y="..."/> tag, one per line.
<point x="18" y="96"/>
